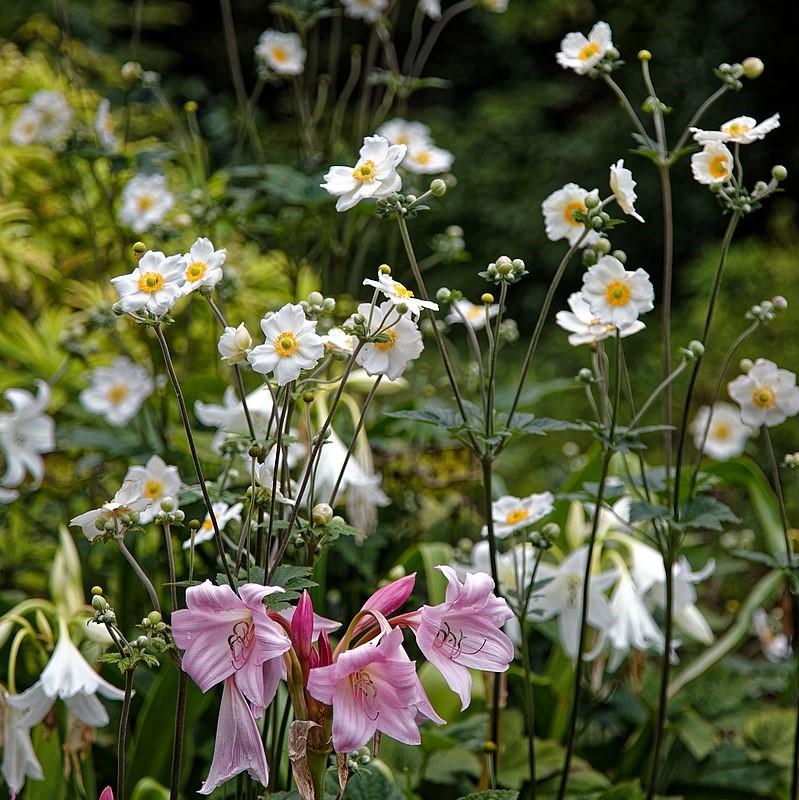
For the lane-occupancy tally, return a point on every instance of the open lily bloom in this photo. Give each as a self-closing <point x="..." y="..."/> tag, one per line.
<point x="559" y="209"/>
<point x="471" y="314"/>
<point x="633" y="626"/>
<point x="154" y="285"/>
<point x="19" y="759"/>
<point x="403" y="343"/>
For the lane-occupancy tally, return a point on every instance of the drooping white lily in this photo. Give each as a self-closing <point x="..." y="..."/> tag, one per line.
<point x="19" y="759"/>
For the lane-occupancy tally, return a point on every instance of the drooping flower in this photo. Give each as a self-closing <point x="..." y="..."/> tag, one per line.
<point x="585" y="327"/>
<point x="741" y="130"/>
<point x="767" y="394"/>
<point x="45" y="119"/>
<point x="223" y="514"/>
<point x="403" y="345"/>
<point x="154" y="285"/>
<point x="367" y="10"/>
<point x="128" y="499"/>
<point x="234" y="344"/>
<point x="19" y="758"/>
<point x="374" y="175"/>
<point x="617" y="296"/>
<point x="582" y="54"/>
<point x="238" y="746"/>
<point x="473" y="314"/>
<point x="427" y="159"/>
<point x="202" y="266"/>
<point x="712" y="165"/>
<point x="398" y="294"/>
<point x="464" y="632"/>
<point x="26" y="432"/>
<point x="623" y="185"/>
<point x="514" y="513"/>
<point x="157" y="480"/>
<point x="104" y="125"/>
<point x="291" y="346"/>
<point x="559" y="219"/>
<point x="229" y="419"/>
<point x="726" y="433"/>
<point x="146" y="200"/>
<point x="401" y="131"/>
<point x="117" y="392"/>
<point x="282" y="52"/>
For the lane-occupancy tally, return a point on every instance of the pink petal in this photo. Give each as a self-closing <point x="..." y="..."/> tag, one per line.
<point x="353" y="725"/>
<point x="386" y="600"/>
<point x="322" y="682"/>
<point x="106" y="794"/>
<point x="302" y="624"/>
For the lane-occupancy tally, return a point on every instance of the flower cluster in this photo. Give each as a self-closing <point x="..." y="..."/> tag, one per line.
<point x="422" y="156"/>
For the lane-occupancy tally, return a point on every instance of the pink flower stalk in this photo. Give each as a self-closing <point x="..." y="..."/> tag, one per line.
<point x="238" y="745"/>
<point x="386" y="600"/>
<point x="226" y="635"/>
<point x="464" y="632"/>
<point x="106" y="794"/>
<point x="372" y="687"/>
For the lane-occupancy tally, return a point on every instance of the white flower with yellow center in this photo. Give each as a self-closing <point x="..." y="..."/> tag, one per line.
<point x="117" y="392"/>
<point x="234" y="344"/>
<point x="585" y="327"/>
<point x="337" y="340"/>
<point x="25" y="129"/>
<point x="45" y="119"/>
<point x="154" y="286"/>
<point x="403" y="342"/>
<point x="622" y="185"/>
<point x="473" y="314"/>
<point x="712" y="165"/>
<point x="291" y="346"/>
<point x="157" y="480"/>
<point x="367" y="10"/>
<point x="741" y="130"/>
<point x="145" y="202"/>
<point x="428" y="159"/>
<point x="373" y="176"/>
<point x="127" y="500"/>
<point x="401" y="131"/>
<point x="767" y="394"/>
<point x="283" y="53"/>
<point x="224" y="514"/>
<point x="104" y="125"/>
<point x="203" y="265"/>
<point x="398" y="294"/>
<point x="582" y="54"/>
<point x="726" y="432"/>
<point x="616" y="296"/>
<point x="514" y="513"/>
<point x="559" y="209"/>
<point x="432" y="8"/>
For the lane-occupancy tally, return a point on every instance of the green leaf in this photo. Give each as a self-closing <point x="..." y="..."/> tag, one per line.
<point x="641" y="511"/>
<point x="706" y="513"/>
<point x="492" y="794"/>
<point x="447" y="418"/>
<point x="372" y="783"/>
<point x="148" y="789"/>
<point x="769" y="736"/>
<point x="697" y="734"/>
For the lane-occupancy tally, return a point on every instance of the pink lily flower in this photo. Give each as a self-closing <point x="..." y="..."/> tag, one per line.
<point x="106" y="794"/>
<point x="225" y="635"/>
<point x="372" y="687"/>
<point x="464" y="631"/>
<point x="238" y="745"/>
<point x="386" y="600"/>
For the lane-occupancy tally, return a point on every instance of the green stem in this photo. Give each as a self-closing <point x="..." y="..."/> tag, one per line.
<point x="140" y="574"/>
<point x="122" y="738"/>
<point x="698" y="114"/>
<point x="528" y="682"/>
<point x="177" y="742"/>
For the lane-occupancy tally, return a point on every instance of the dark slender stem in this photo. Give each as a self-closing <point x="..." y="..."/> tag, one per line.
<point x="698" y="114"/>
<point x="140" y="573"/>
<point x="177" y="742"/>
<point x="528" y="684"/>
<point x="668" y="269"/>
<point x="122" y="738"/>
<point x="435" y="32"/>
<point x="618" y="91"/>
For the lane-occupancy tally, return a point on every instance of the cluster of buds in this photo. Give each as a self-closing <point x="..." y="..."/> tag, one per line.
<point x="694" y="350"/>
<point x="545" y="538"/>
<point x="504" y="270"/>
<point x="403" y="205"/>
<point x="601" y="247"/>
<point x="744" y="201"/>
<point x="450" y="245"/>
<point x="117" y="522"/>
<point x="359" y="758"/>
<point x="103" y="613"/>
<point x="766" y="310"/>
<point x="610" y="62"/>
<point x="169" y="514"/>
<point x="730" y="74"/>
<point x="316" y="305"/>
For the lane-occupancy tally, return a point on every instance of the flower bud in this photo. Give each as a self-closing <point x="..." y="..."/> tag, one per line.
<point x="178" y="516"/>
<point x="322" y="513"/>
<point x="612" y="53"/>
<point x="780" y="303"/>
<point x="591" y="200"/>
<point x="167" y="504"/>
<point x="131" y="71"/>
<point x="384" y="269"/>
<point x="597" y="223"/>
<point x="487" y="298"/>
<point x="602" y="245"/>
<point x="585" y="376"/>
<point x="98" y="603"/>
<point x="644" y="55"/>
<point x="589" y="257"/>
<point x="443" y="295"/>
<point x="190" y="106"/>
<point x="779" y="173"/>
<point x="753" y="67"/>
<point x="97" y="590"/>
<point x="696" y="347"/>
<point x="307" y="397"/>
<point x="154" y="617"/>
<point x="315" y="298"/>
<point x="195" y="524"/>
<point x="329" y="304"/>
<point x="396" y="572"/>
<point x="745" y="364"/>
<point x="100" y="523"/>
<point x="401" y="308"/>
<point x="438" y="188"/>
<point x="620" y="255"/>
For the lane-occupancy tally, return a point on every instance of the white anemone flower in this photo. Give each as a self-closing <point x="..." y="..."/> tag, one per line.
<point x="146" y="200"/>
<point x="367" y="10"/>
<point x="432" y="8"/>
<point x="401" y="131"/>
<point x="559" y="219"/>
<point x="427" y="159"/>
<point x="128" y="499"/>
<point x="767" y="394"/>
<point x="118" y="391"/>
<point x="45" y="120"/>
<point x="153" y="286"/>
<point x="202" y="265"/>
<point x="25" y="129"/>
<point x="374" y="175"/>
<point x="291" y="346"/>
<point x="473" y="314"/>
<point x="582" y="53"/>
<point x="712" y="165"/>
<point x="224" y="514"/>
<point x="741" y="130"/>
<point x="234" y="344"/>
<point x="19" y="758"/>
<point x="282" y="52"/>
<point x="398" y="294"/>
<point x="562" y="597"/>
<point x="158" y="480"/>
<point x="403" y="343"/>
<point x="104" y="125"/>
<point x="511" y="514"/>
<point x="229" y="418"/>
<point x="617" y="296"/>
<point x="585" y="328"/>
<point x="68" y="677"/>
<point x="726" y="432"/>
<point x="337" y="340"/>
<point x="623" y="185"/>
<point x="26" y="432"/>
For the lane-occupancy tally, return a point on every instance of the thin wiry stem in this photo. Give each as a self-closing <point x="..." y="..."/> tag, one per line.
<point x="122" y="738"/>
<point x="140" y="573"/>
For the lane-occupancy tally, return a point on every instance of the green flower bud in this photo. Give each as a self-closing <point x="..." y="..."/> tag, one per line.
<point x="438" y="188"/>
<point x="190" y="106"/>
<point x="644" y="55"/>
<point x="322" y="513"/>
<point x="487" y="298"/>
<point x="602" y="245"/>
<point x="752" y="67"/>
<point x="779" y="173"/>
<point x="167" y="504"/>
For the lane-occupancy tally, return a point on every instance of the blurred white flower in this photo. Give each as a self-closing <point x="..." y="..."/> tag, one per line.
<point x="367" y="10"/>
<point x="224" y="514"/>
<point x="229" y="419"/>
<point x="585" y="327"/>
<point x="158" y="480"/>
<point x="19" y="758"/>
<point x="711" y="165"/>
<point x="128" y="499"/>
<point x="234" y="344"/>
<point x="767" y="394"/>
<point x="726" y="434"/>
<point x="514" y="513"/>
<point x="741" y="130"/>
<point x="45" y="119"/>
<point x="775" y="644"/>
<point x="154" y="285"/>
<point x="202" y="265"/>
<point x="431" y="7"/>
<point x="617" y="296"/>
<point x="104" y="125"/>
<point x="558" y="210"/>
<point x="336" y="339"/>
<point x="622" y="185"/>
<point x="475" y="315"/>
<point x="291" y="346"/>
<point x="398" y="293"/>
<point x="582" y="54"/>
<point x="403" y="343"/>
<point x="373" y="176"/>
<point x="283" y="53"/>
<point x="145" y="202"/>
<point x="25" y="129"/>
<point x="427" y="159"/>
<point x="117" y="392"/>
<point x="401" y="131"/>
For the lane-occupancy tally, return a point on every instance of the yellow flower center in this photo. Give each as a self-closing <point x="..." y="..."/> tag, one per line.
<point x="286" y="344"/>
<point x="195" y="271"/>
<point x="279" y="54"/>
<point x="144" y="203"/>
<point x="516" y="516"/>
<point x="366" y="172"/>
<point x="588" y="51"/>
<point x="719" y="166"/>
<point x="764" y="397"/>
<point x="423" y="157"/>
<point x="151" y="282"/>
<point x="402" y="291"/>
<point x="116" y="394"/>
<point x="722" y="431"/>
<point x="474" y="312"/>
<point x="390" y="344"/>
<point x="617" y="293"/>
<point x="153" y="488"/>
<point x="207" y="524"/>
<point x="570" y="208"/>
<point x="738" y="129"/>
